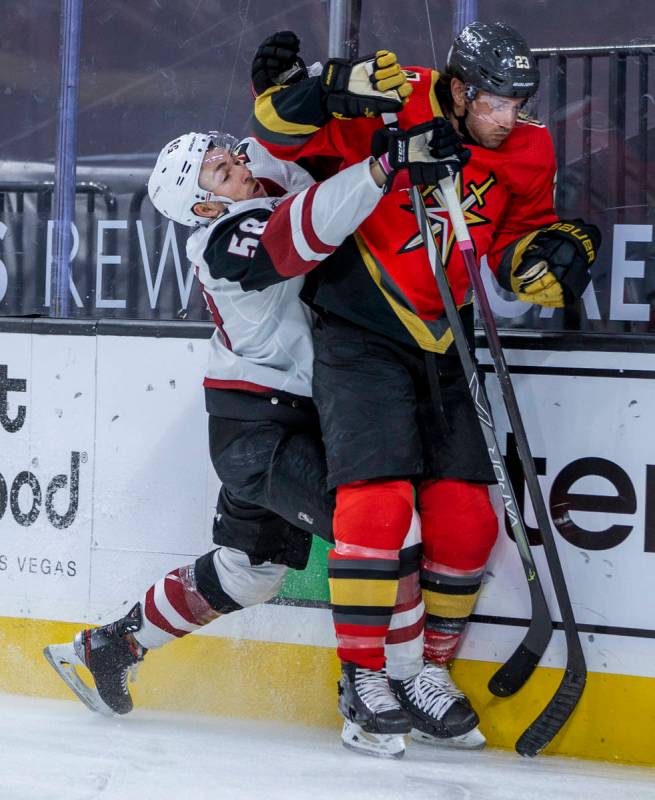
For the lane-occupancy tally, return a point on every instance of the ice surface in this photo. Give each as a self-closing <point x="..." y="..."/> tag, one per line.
<point x="55" y="749"/>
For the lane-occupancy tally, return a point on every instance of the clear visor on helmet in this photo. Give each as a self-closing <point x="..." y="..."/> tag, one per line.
<point x="222" y="141"/>
<point x="496" y="110"/>
<point x="220" y="148"/>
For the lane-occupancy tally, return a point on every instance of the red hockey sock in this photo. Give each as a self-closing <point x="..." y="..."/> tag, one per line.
<point x="459" y="529"/>
<point x="371" y="521"/>
<point x="172" y="608"/>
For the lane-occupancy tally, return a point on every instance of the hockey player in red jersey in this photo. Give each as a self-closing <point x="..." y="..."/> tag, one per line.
<point x="395" y="411"/>
<point x="251" y="250"/>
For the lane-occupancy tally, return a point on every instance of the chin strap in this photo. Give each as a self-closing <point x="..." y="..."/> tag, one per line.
<point x="218" y="198"/>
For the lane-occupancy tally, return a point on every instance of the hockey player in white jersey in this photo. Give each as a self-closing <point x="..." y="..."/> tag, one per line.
<point x="251" y="252"/>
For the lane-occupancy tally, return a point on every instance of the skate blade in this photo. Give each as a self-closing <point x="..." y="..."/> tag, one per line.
<point x="473" y="740"/>
<point x="64" y="660"/>
<point x="380" y="745"/>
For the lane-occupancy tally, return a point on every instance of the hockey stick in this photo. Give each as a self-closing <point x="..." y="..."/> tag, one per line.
<point x="552" y="718"/>
<point x="512" y="675"/>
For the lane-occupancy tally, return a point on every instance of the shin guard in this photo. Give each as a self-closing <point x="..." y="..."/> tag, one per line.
<point x="172" y="608"/>
<point x="459" y="528"/>
<point x="371" y="521"/>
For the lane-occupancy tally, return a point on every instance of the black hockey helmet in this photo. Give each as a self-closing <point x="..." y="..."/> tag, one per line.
<point x="494" y="58"/>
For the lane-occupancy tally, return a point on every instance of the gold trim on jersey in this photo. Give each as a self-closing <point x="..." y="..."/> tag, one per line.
<point x="434" y="103"/>
<point x="267" y="116"/>
<point x="435" y="342"/>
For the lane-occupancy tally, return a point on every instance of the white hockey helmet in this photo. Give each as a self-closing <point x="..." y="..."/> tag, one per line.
<point x="173" y="184"/>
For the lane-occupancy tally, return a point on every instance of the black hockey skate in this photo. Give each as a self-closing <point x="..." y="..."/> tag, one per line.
<point x="374" y="720"/>
<point x="109" y="653"/>
<point x="440" y="712"/>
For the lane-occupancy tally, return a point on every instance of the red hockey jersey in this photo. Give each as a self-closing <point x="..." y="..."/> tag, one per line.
<point x="506" y="194"/>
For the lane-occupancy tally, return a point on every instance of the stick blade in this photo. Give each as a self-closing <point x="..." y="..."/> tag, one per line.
<point x="514" y="673"/>
<point x="551" y="720"/>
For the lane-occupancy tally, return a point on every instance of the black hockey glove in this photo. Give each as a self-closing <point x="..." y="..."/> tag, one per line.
<point x="277" y="62"/>
<point x="447" y="148"/>
<point x="368" y="87"/>
<point x="553" y="269"/>
<point x="408" y="157"/>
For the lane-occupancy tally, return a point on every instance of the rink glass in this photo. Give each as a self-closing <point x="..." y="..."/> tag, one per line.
<point x="152" y="72"/>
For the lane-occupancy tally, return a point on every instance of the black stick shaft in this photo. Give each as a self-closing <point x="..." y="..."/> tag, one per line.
<point x="550" y="721"/>
<point x="516" y="422"/>
<point x="514" y="673"/>
<point x="482" y="409"/>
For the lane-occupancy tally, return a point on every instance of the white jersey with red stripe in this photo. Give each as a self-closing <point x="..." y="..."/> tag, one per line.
<point x="278" y="177"/>
<point x="251" y="262"/>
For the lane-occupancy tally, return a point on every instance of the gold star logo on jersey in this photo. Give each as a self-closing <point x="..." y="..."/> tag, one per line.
<point x="472" y="200"/>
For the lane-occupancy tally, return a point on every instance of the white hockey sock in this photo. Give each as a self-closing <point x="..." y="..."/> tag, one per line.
<point x="172" y="608"/>
<point x="403" y="647"/>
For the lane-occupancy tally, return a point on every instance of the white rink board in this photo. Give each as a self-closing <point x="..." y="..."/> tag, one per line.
<point x="133" y="409"/>
<point x="606" y="421"/>
<point x="45" y="569"/>
<point x="602" y="418"/>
